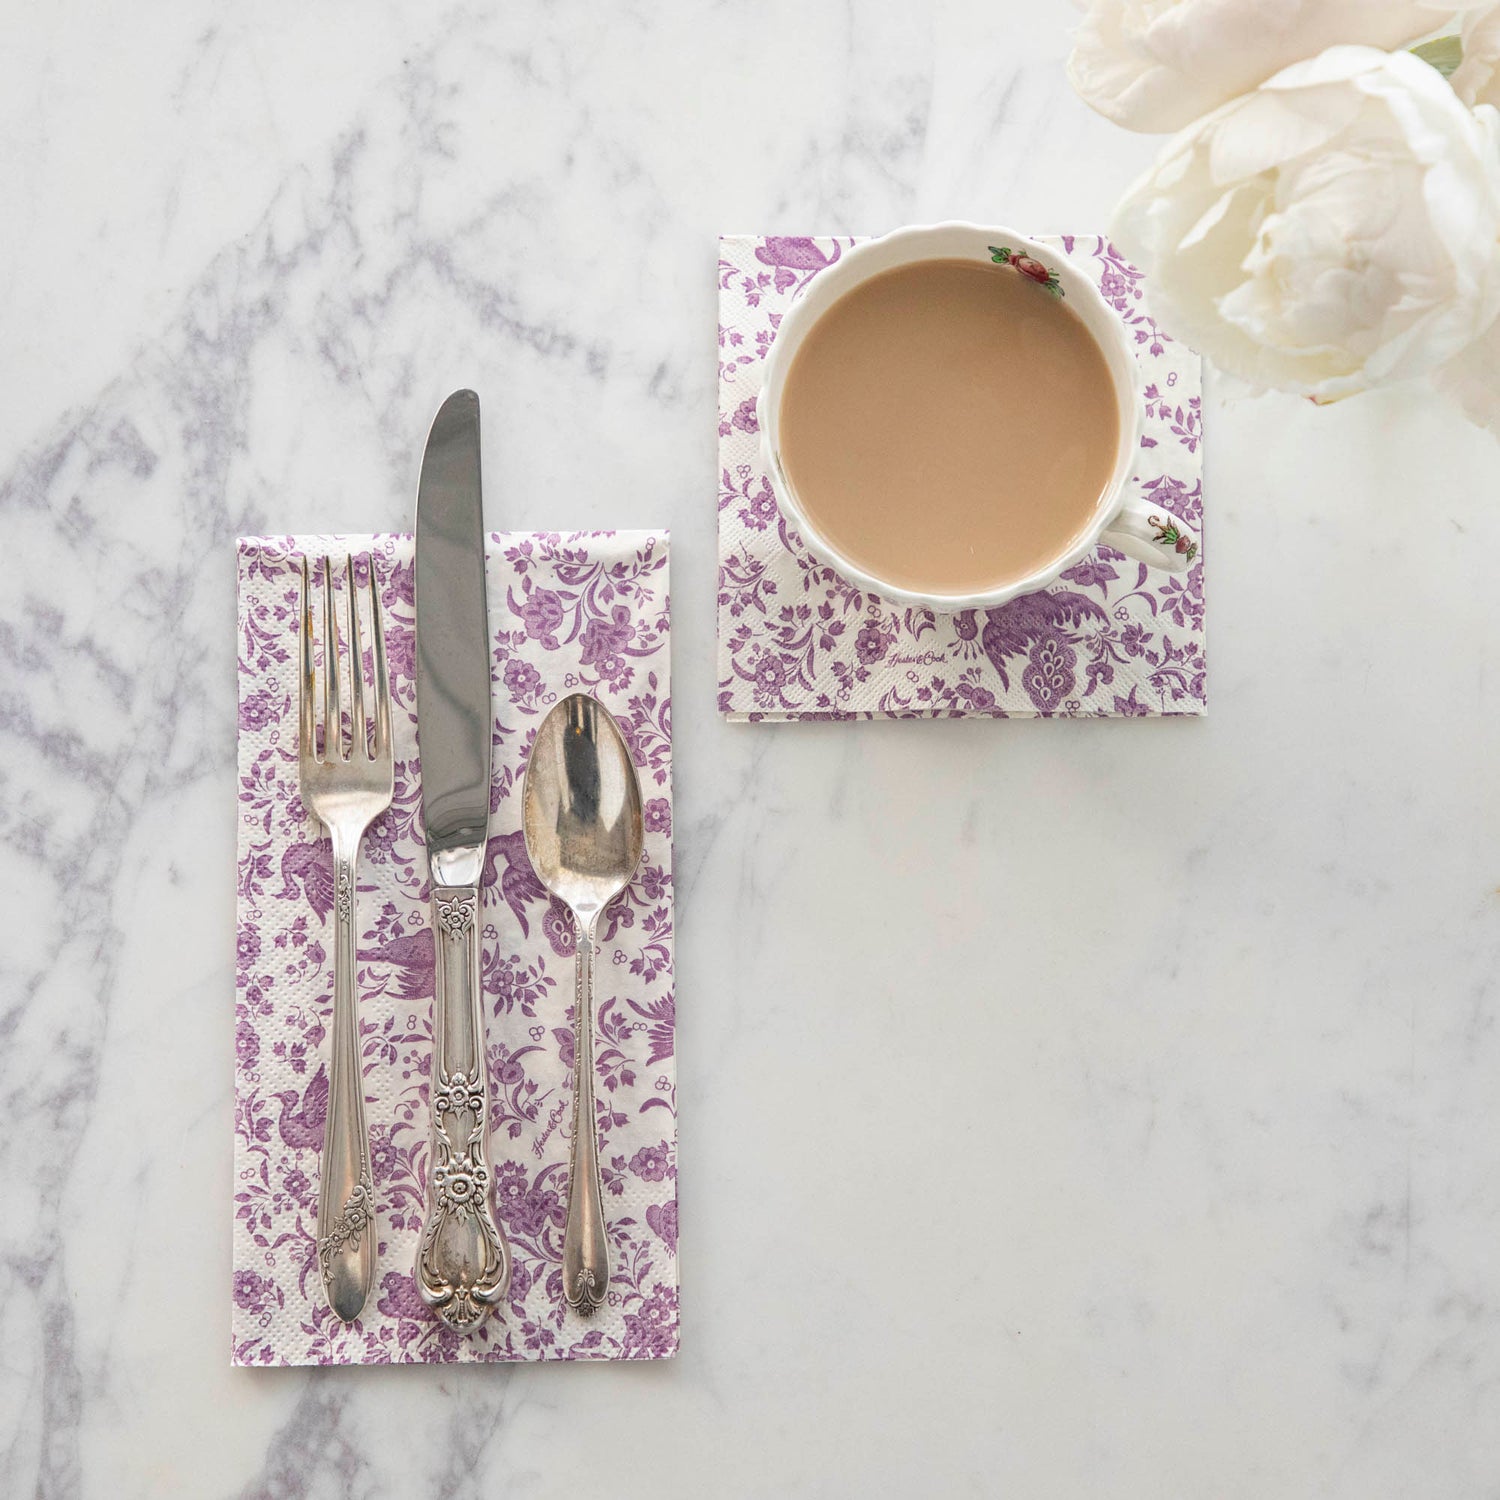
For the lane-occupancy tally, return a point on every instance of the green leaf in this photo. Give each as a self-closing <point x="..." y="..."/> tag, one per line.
<point x="1444" y="53"/>
<point x="1000" y="254"/>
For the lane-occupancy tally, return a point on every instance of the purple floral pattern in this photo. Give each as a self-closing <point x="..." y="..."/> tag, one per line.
<point x="797" y="641"/>
<point x="587" y="611"/>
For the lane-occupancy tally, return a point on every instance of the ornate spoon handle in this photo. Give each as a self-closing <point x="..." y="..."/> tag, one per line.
<point x="463" y="1262"/>
<point x="346" y="1196"/>
<point x="585" y="1245"/>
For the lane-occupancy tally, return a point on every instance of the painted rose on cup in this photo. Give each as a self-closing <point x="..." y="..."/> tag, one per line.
<point x="1027" y="265"/>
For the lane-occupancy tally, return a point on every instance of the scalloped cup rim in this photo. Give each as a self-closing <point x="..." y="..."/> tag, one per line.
<point x="960" y="237"/>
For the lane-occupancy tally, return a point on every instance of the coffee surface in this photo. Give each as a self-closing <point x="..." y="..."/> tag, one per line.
<point x="949" y="426"/>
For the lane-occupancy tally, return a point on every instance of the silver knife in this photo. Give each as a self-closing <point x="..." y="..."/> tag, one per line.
<point x="463" y="1262"/>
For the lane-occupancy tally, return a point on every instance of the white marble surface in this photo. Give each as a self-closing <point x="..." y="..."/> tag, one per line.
<point x="1068" y="1109"/>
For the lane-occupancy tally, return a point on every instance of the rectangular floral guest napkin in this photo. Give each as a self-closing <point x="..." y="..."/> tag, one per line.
<point x="796" y="641"/>
<point x="587" y="611"/>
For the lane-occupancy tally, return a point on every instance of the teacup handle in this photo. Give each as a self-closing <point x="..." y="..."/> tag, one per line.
<point x="1154" y="536"/>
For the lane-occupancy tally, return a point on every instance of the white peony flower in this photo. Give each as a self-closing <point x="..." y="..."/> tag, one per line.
<point x="1159" y="64"/>
<point x="1477" y="79"/>
<point x="1338" y="228"/>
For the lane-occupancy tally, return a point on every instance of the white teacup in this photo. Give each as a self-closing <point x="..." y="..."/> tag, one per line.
<point x="1148" y="533"/>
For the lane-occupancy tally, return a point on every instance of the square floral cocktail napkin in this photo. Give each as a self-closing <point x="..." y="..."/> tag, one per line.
<point x="796" y="641"/>
<point x="588" y="611"/>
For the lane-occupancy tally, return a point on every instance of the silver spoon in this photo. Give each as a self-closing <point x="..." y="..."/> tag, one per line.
<point x="582" y="819"/>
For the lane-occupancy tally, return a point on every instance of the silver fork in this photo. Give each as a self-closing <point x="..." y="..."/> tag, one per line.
<point x="346" y="788"/>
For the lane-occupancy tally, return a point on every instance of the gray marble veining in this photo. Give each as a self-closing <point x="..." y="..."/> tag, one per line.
<point x="1213" y="1005"/>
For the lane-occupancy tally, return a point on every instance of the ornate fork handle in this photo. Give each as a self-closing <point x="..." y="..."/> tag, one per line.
<point x="346" y="1195"/>
<point x="463" y="1261"/>
<point x="585" y="1244"/>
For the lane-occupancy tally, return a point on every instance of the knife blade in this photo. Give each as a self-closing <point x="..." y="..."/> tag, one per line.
<point x="463" y="1261"/>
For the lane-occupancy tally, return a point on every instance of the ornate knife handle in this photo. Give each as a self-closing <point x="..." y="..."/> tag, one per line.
<point x="463" y="1262"/>
<point x="585" y="1244"/>
<point x="346" y="1196"/>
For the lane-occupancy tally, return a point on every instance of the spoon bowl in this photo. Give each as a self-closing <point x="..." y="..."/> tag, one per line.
<point x="582" y="803"/>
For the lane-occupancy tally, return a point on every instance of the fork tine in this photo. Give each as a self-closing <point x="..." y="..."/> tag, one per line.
<point x="307" y="728"/>
<point x="333" y="703"/>
<point x="382" y="677"/>
<point x="361" y="746"/>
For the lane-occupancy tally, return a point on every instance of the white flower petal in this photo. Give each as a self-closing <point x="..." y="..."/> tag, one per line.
<point x="1477" y="79"/>
<point x="1157" y="65"/>
<point x="1472" y="379"/>
<point x="1273" y="128"/>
